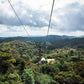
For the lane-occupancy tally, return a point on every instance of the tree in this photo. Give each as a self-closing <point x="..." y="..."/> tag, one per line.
<point x="71" y="52"/>
<point x="68" y="78"/>
<point x="28" y="76"/>
<point x="44" y="79"/>
<point x="79" y="68"/>
<point x="6" y="62"/>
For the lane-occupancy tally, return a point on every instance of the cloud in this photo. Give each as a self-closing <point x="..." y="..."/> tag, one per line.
<point x="3" y="29"/>
<point x="27" y="15"/>
<point x="68" y="17"/>
<point x="19" y="31"/>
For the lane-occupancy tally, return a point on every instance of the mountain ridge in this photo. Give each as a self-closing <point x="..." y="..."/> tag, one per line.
<point x="50" y="38"/>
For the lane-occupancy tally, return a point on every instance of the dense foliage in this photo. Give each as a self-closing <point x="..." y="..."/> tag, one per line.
<point x="20" y="63"/>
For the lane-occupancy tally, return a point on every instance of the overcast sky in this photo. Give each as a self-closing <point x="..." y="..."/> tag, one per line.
<point x="67" y="19"/>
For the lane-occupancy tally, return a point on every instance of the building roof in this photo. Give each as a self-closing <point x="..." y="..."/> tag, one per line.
<point x="43" y="59"/>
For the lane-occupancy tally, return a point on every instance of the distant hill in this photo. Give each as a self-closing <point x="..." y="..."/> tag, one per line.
<point x="1" y="39"/>
<point x="54" y="40"/>
<point x="74" y="42"/>
<point x="50" y="38"/>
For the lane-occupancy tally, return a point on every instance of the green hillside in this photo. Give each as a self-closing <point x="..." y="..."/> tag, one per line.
<point x="74" y="42"/>
<point x="20" y="63"/>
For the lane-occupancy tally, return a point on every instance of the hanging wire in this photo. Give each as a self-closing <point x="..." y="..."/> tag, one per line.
<point x="46" y="38"/>
<point x="18" y="17"/>
<point x="24" y="25"/>
<point x="36" y="43"/>
<point x="50" y="17"/>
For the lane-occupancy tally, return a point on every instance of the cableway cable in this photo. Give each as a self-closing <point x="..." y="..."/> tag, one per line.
<point x="18" y="17"/>
<point x="24" y="25"/>
<point x="36" y="43"/>
<point x="46" y="38"/>
<point x="50" y="17"/>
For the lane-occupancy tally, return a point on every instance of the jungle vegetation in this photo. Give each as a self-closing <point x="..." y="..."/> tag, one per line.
<point x="19" y="63"/>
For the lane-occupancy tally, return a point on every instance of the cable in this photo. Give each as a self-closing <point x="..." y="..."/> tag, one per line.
<point x="49" y="21"/>
<point x="50" y="16"/>
<point x="18" y="17"/>
<point x="25" y="27"/>
<point x="45" y="44"/>
<point x="22" y="23"/>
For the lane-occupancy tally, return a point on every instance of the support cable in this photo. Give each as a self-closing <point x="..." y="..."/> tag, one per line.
<point x="50" y="17"/>
<point x="18" y="17"/>
<point x="24" y="25"/>
<point x="46" y="38"/>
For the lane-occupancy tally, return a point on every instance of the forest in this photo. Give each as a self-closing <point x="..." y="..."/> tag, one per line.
<point x="28" y="62"/>
<point x="41" y="42"/>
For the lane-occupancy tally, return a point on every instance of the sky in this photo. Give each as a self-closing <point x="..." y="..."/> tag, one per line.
<point x="67" y="18"/>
